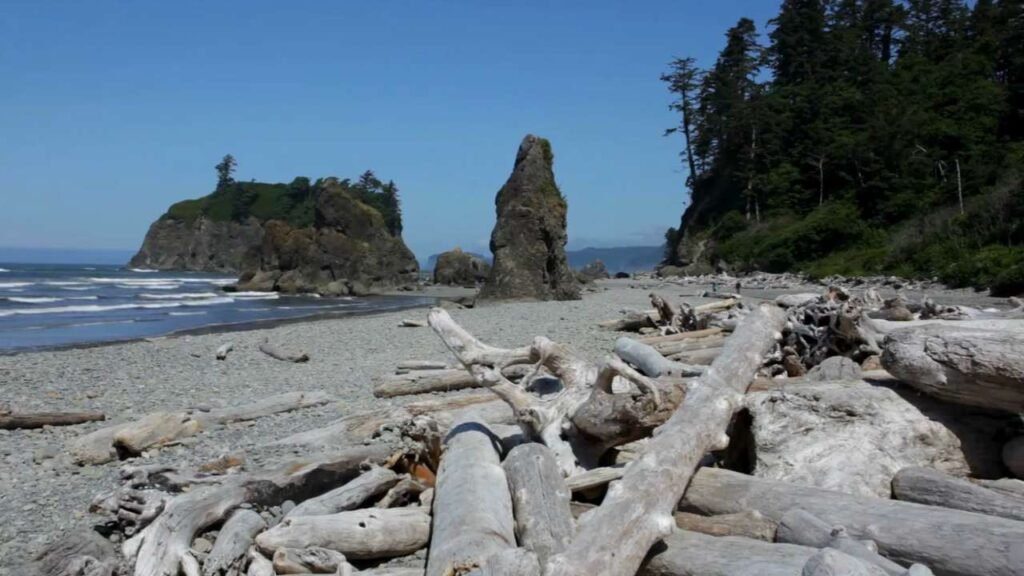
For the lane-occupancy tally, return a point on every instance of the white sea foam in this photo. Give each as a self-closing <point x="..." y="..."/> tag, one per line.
<point x="4" y="270"/>
<point x="148" y="286"/>
<point x="181" y="296"/>
<point x="256" y="295"/>
<point x="142" y="270"/>
<point x="65" y="283"/>
<point x="33" y="299"/>
<point x="15" y="284"/>
<point x="98" y="308"/>
<point x="199" y="313"/>
<point x="76" y="288"/>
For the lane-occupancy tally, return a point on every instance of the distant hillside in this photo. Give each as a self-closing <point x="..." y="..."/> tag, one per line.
<point x="619" y="259"/>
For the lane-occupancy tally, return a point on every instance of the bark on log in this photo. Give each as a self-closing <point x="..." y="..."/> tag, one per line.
<point x="650" y="362"/>
<point x="637" y="511"/>
<point x="926" y="486"/>
<point x="311" y="560"/>
<point x="159" y="547"/>
<point x="223" y="350"/>
<point x="12" y="421"/>
<point x="278" y="354"/>
<point x="801" y="527"/>
<point x="954" y="542"/>
<point x="472" y="506"/>
<point x="684" y="553"/>
<point x="366" y="534"/>
<point x="540" y="501"/>
<point x="426" y="381"/>
<point x="961" y="365"/>
<point x="233" y="541"/>
<point x="370" y="484"/>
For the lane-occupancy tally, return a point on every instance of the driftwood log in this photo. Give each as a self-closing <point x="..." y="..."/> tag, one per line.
<point x="927" y="486"/>
<point x="950" y="542"/>
<point x="13" y="421"/>
<point x="426" y="381"/>
<point x="234" y="540"/>
<point x="962" y="365"/>
<point x="684" y="553"/>
<point x="364" y="534"/>
<point x="637" y="511"/>
<point x="349" y="496"/>
<point x="223" y="350"/>
<point x="651" y="362"/>
<point x="801" y="527"/>
<point x="308" y="560"/>
<point x="540" y="501"/>
<point x="277" y="353"/>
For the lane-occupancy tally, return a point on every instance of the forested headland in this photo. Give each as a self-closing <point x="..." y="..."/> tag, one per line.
<point x="859" y="137"/>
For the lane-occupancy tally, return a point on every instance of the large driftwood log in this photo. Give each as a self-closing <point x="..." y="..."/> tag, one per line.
<point x="158" y="549"/>
<point x="927" y="486"/>
<point x="513" y="562"/>
<point x="684" y="553"/>
<point x="832" y="562"/>
<point x="950" y="542"/>
<point x="426" y="381"/>
<point x="632" y="321"/>
<point x="540" y="500"/>
<point x="76" y="553"/>
<point x="637" y="511"/>
<point x="472" y="507"/>
<point x="365" y="534"/>
<point x="594" y="478"/>
<point x="650" y="362"/>
<point x="749" y="524"/>
<point x="309" y="560"/>
<point x="12" y="421"/>
<point x="162" y="428"/>
<point x="963" y="365"/>
<point x="233" y="541"/>
<point x="277" y="353"/>
<point x="801" y="527"/>
<point x="706" y="333"/>
<point x="370" y="484"/>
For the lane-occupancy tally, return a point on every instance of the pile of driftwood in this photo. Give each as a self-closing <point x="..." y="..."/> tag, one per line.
<point x="662" y="459"/>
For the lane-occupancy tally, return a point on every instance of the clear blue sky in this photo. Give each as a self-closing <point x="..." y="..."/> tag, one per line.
<point x="110" y="110"/>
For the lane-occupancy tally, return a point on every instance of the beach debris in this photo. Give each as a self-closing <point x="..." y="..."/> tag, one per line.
<point x="26" y="420"/>
<point x="235" y="538"/>
<point x="929" y="486"/>
<point x="408" y="382"/>
<point x="407" y="323"/>
<point x="223" y="350"/>
<point x="278" y="354"/>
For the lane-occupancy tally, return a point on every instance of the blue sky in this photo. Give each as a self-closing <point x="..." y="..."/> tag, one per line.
<point x="110" y="111"/>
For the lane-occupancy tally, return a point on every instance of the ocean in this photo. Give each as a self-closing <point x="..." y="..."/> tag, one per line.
<point x="58" y="305"/>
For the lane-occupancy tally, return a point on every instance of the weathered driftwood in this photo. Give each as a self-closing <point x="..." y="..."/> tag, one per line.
<point x="801" y="527"/>
<point x="637" y="510"/>
<point x="832" y="562"/>
<point x="1008" y="486"/>
<point x="370" y="484"/>
<point x="12" y="421"/>
<point x="650" y="362"/>
<point x="632" y="321"/>
<point x="962" y="365"/>
<point x="310" y="560"/>
<point x="749" y="524"/>
<point x="684" y="553"/>
<point x="513" y="562"/>
<point x="158" y="549"/>
<point x="259" y="565"/>
<point x="472" y="507"/>
<point x="851" y="437"/>
<point x="1013" y="456"/>
<point x="422" y="365"/>
<point x="233" y="541"/>
<point x="407" y="491"/>
<point x="162" y="428"/>
<point x="948" y="541"/>
<point x="76" y="553"/>
<point x="927" y="486"/>
<point x="696" y="360"/>
<point x="426" y="381"/>
<point x="223" y="350"/>
<point x="277" y="353"/>
<point x="682" y="336"/>
<point x="594" y="478"/>
<point x="407" y="323"/>
<point x="540" y="501"/>
<point x="690" y="344"/>
<point x="797" y="300"/>
<point x="364" y="534"/>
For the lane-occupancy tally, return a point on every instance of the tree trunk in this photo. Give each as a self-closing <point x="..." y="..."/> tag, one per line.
<point x="427" y="381"/>
<point x="637" y="511"/>
<point x="366" y="534"/>
<point x="12" y="421"/>
<point x="801" y="527"/>
<point x="650" y="362"/>
<point x="540" y="501"/>
<point x="926" y="486"/>
<point x="954" y="543"/>
<point x="684" y="553"/>
<point x="369" y="484"/>
<point x="233" y="541"/>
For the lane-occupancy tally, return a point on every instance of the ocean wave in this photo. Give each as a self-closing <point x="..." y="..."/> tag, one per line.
<point x="256" y="295"/>
<point x="15" y="284"/>
<point x="4" y="270"/>
<point x="32" y="299"/>
<point x="76" y="288"/>
<point x="142" y="270"/>
<point x="181" y="296"/>
<point x="199" y="313"/>
<point x="65" y="283"/>
<point x="148" y="286"/>
<point x="113" y="307"/>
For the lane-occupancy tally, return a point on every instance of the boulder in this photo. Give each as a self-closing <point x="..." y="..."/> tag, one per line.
<point x="851" y="437"/>
<point x="456" y="267"/>
<point x="596" y="270"/>
<point x="528" y="241"/>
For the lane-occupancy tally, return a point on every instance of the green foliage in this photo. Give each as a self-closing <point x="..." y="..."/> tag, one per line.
<point x="879" y="120"/>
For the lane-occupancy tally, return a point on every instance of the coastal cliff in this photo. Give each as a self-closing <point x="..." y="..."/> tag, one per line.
<point x="199" y="244"/>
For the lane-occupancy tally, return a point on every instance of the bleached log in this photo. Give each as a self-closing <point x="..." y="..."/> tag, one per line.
<point x="961" y="365"/>
<point x="407" y="323"/>
<point x="422" y="365"/>
<point x="276" y="404"/>
<point x="513" y="562"/>
<point x="1013" y="456"/>
<point x="392" y="571"/>
<point x="830" y="562"/>
<point x="696" y="360"/>
<point x="730" y="301"/>
<point x="277" y="353"/>
<point x="426" y="381"/>
<point x="637" y="511"/>
<point x="801" y="527"/>
<point x="650" y="362"/>
<point x="155" y="430"/>
<point x="369" y="484"/>
<point x="311" y="560"/>
<point x="472" y="507"/>
<point x="927" y="486"/>
<point x="159" y="547"/>
<point x="690" y="345"/>
<point x="540" y="501"/>
<point x="797" y="300"/>
<point x="233" y="541"/>
<point x="75" y="553"/>
<point x="1008" y="486"/>
<point x="632" y="321"/>
<point x="749" y="524"/>
<point x="259" y="565"/>
<point x="223" y="350"/>
<point x="189" y="564"/>
<point x="594" y="478"/>
<point x="955" y="542"/>
<point x="365" y="534"/>
<point x="684" y="553"/>
<point x="682" y="336"/>
<point x="12" y="421"/>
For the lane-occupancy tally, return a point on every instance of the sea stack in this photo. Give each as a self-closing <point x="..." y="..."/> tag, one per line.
<point x="528" y="241"/>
